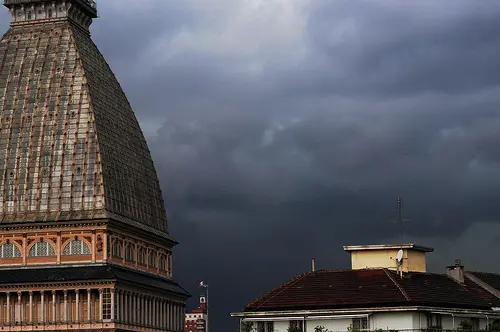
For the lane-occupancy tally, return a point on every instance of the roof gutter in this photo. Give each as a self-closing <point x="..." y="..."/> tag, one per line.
<point x="305" y="317"/>
<point x="360" y="311"/>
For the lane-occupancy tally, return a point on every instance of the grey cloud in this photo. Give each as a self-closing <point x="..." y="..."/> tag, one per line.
<point x="270" y="157"/>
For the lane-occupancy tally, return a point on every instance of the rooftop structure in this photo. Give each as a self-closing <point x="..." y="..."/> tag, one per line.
<point x="384" y="256"/>
<point x="83" y="229"/>
<point x="377" y="297"/>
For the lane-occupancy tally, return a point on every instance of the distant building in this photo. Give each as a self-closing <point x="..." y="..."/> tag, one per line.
<point x="197" y="319"/>
<point x="378" y="292"/>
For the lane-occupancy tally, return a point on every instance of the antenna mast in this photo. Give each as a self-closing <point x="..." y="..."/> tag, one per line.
<point x="400" y="218"/>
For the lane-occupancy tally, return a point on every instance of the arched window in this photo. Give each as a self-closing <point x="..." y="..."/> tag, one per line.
<point x="163" y="264"/>
<point x="76" y="247"/>
<point x="50" y="12"/>
<point x="9" y="250"/>
<point x="129" y="253"/>
<point x="29" y="15"/>
<point x="152" y="259"/>
<point x="42" y="249"/>
<point x="116" y="249"/>
<point x="140" y="256"/>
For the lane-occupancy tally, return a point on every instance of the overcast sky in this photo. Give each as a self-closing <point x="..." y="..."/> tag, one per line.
<point x="285" y="129"/>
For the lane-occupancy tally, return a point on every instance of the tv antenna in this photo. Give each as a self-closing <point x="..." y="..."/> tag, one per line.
<point x="400" y="218"/>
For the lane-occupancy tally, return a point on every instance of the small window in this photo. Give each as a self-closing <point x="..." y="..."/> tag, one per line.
<point x="129" y="253"/>
<point x="434" y="321"/>
<point x="475" y="324"/>
<point x="116" y="249"/>
<point x="140" y="256"/>
<point x="152" y="259"/>
<point x="76" y="247"/>
<point x="50" y="13"/>
<point x="9" y="250"/>
<point x="163" y="263"/>
<point x="42" y="249"/>
<point x="295" y="326"/>
<point x="360" y="324"/>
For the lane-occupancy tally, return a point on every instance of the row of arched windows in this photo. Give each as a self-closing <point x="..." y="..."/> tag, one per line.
<point x="42" y="249"/>
<point x="142" y="256"/>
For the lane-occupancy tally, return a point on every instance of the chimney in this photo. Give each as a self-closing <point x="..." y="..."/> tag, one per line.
<point x="313" y="265"/>
<point x="456" y="272"/>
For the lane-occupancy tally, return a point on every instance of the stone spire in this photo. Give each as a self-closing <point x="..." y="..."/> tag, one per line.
<point x="80" y="12"/>
<point x="71" y="148"/>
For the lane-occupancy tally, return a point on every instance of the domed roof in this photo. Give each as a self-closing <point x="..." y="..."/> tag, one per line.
<point x="71" y="147"/>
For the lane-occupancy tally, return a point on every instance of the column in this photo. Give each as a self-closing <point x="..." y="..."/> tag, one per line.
<point x="148" y="309"/>
<point x="77" y="305"/>
<point x="140" y="311"/>
<point x="58" y="245"/>
<point x="155" y="313"/>
<point x="93" y="249"/>
<point x="105" y="246"/>
<point x="100" y="304"/>
<point x="31" y="307"/>
<point x="54" y="306"/>
<point x="89" y="305"/>
<point x="42" y="304"/>
<point x="112" y="304"/>
<point x="65" y="314"/>
<point x="20" y="307"/>
<point x="8" y="307"/>
<point x="126" y="306"/>
<point x="133" y="301"/>
<point x="164" y="314"/>
<point x="167" y="314"/>
<point x="25" y="249"/>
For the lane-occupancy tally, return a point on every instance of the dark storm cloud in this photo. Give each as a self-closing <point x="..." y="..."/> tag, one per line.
<point x="263" y="169"/>
<point x="282" y="130"/>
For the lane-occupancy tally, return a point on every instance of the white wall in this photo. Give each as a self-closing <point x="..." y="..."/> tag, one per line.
<point x="392" y="321"/>
<point x="281" y="326"/>
<point x="386" y="321"/>
<point x="331" y="324"/>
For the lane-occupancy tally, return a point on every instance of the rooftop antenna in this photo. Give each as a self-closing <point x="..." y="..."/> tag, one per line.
<point x="400" y="218"/>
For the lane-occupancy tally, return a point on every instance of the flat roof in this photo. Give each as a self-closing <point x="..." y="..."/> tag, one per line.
<point x="388" y="247"/>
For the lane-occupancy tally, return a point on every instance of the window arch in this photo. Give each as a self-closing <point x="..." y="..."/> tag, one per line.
<point x="163" y="266"/>
<point x="140" y="256"/>
<point x="152" y="259"/>
<point x="41" y="249"/>
<point x="9" y="250"/>
<point x="129" y="254"/>
<point x="76" y="247"/>
<point x="116" y="249"/>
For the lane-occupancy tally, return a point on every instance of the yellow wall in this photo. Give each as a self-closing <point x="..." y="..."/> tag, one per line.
<point x="413" y="260"/>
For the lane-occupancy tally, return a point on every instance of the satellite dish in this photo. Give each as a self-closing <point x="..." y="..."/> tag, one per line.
<point x="399" y="257"/>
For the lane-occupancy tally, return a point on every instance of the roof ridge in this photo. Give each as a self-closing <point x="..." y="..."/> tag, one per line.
<point x="278" y="290"/>
<point x="407" y="297"/>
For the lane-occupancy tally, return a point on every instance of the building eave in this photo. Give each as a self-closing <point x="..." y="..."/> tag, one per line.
<point x="388" y="247"/>
<point x="360" y="311"/>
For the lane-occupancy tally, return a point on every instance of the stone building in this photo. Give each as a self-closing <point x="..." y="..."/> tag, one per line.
<point x="84" y="241"/>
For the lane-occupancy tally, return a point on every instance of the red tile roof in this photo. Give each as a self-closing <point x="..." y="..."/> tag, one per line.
<point x="491" y="279"/>
<point x="372" y="288"/>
